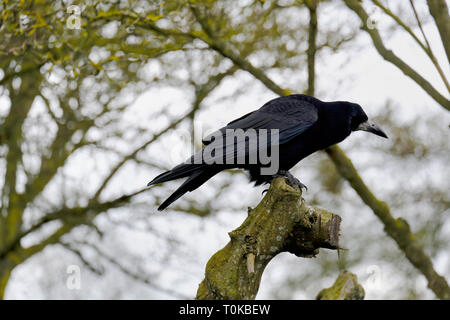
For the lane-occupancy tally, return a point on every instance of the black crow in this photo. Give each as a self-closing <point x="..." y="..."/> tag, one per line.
<point x="300" y="124"/>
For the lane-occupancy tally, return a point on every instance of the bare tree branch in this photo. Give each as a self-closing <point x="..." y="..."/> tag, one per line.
<point x="390" y="56"/>
<point x="397" y="228"/>
<point x="94" y="269"/>
<point x="439" y="11"/>
<point x="430" y="51"/>
<point x="138" y="276"/>
<point x="425" y="47"/>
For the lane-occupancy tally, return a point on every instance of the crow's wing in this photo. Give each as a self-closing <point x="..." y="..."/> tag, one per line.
<point x="291" y="115"/>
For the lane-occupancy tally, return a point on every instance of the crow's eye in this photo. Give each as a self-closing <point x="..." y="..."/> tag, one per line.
<point x="358" y="116"/>
<point x="357" y="120"/>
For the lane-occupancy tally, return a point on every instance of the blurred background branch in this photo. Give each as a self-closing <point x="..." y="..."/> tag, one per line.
<point x="390" y="56"/>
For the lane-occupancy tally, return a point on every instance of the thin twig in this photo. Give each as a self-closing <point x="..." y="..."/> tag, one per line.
<point x="431" y="54"/>
<point x="136" y="275"/>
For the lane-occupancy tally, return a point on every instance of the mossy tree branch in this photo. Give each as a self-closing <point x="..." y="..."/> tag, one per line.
<point x="346" y="287"/>
<point x="282" y="222"/>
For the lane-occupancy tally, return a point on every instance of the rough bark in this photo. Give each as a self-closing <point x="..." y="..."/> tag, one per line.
<point x="281" y="222"/>
<point x="346" y="287"/>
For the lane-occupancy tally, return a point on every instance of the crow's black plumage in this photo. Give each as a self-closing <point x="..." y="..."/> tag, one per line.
<point x="305" y="126"/>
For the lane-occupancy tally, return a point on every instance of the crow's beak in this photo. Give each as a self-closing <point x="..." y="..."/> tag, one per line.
<point x="373" y="128"/>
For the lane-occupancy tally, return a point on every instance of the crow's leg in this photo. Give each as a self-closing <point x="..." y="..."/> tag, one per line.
<point x="290" y="179"/>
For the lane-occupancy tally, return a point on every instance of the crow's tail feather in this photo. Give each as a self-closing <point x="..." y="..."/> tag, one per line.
<point x="181" y="171"/>
<point x="194" y="181"/>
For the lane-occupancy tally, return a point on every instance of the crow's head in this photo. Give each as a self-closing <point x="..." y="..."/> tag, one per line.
<point x="360" y="121"/>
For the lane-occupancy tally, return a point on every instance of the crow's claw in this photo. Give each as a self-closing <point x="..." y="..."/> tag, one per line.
<point x="291" y="180"/>
<point x="264" y="191"/>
